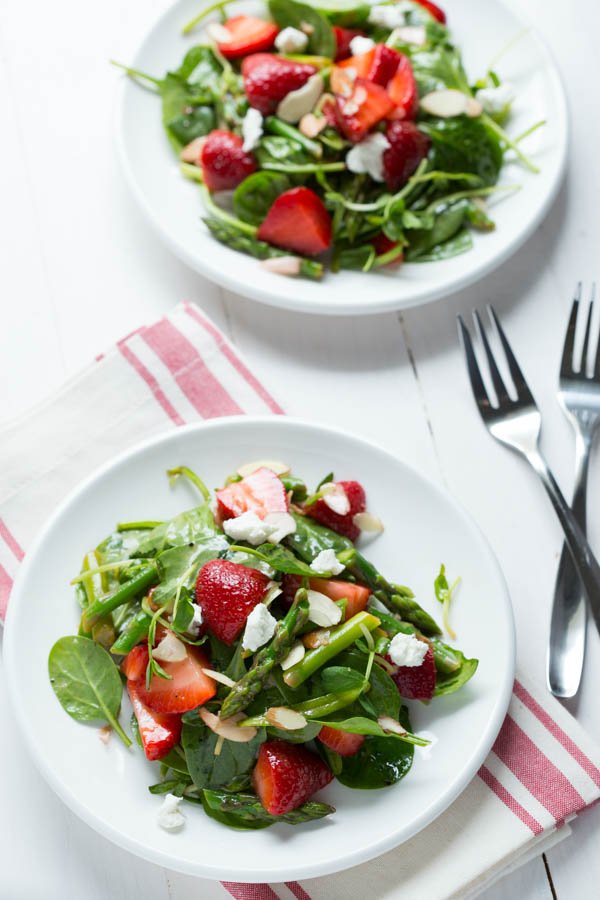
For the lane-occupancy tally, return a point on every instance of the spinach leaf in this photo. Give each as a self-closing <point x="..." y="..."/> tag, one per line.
<point x="437" y="68"/>
<point x="464" y="144"/>
<point x="201" y="67"/>
<point x="347" y="13"/>
<point x="254" y="197"/>
<point x="195" y="121"/>
<point x="322" y="41"/>
<point x="179" y="566"/>
<point x="341" y="678"/>
<point x="460" y="243"/>
<point x="193" y="526"/>
<point x="380" y="762"/>
<point x="310" y="538"/>
<point x="276" y="149"/>
<point x="383" y="696"/>
<point x="299" y="736"/>
<point x="447" y="224"/>
<point x="208" y="770"/>
<point x="279" y="558"/>
<point x="449" y="682"/>
<point x="296" y="486"/>
<point x="245" y="811"/>
<point x="86" y="681"/>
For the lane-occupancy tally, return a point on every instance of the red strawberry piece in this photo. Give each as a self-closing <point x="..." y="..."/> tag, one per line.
<point x="342" y="524"/>
<point x="343" y="36"/>
<point x="286" y="775"/>
<point x="343" y="742"/>
<point x="268" y="78"/>
<point x="360" y="64"/>
<point x="383" y="244"/>
<point x="367" y="104"/>
<point x="248" y="35"/>
<point x="328" y="110"/>
<point x="261" y="492"/>
<point x="159" y="731"/>
<point x="435" y="11"/>
<point x="297" y="221"/>
<point x="384" y="64"/>
<point x="356" y="595"/>
<point x="416" y="682"/>
<point x="402" y="88"/>
<point x="134" y="664"/>
<point x="187" y="688"/>
<point x="224" y="161"/>
<point x="228" y="592"/>
<point x="408" y="146"/>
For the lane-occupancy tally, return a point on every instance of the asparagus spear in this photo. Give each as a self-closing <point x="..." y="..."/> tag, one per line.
<point x="315" y="708"/>
<point x="251" y="684"/>
<point x="136" y="630"/>
<point x="229" y="235"/>
<point x="248" y="809"/>
<point x="146" y="576"/>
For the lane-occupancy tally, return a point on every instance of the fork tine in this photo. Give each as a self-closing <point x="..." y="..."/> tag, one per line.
<point x="521" y="386"/>
<point x="477" y="385"/>
<point x="499" y="386"/>
<point x="566" y="363"/>
<point x="586" y="340"/>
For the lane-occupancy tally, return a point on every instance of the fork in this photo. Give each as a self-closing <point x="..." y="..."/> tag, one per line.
<point x="517" y="423"/>
<point x="579" y="396"/>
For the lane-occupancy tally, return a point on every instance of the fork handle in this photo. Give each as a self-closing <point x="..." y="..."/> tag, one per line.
<point x="581" y="553"/>
<point x="566" y="642"/>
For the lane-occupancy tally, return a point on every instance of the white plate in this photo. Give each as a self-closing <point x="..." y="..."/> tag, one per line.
<point x="173" y="205"/>
<point x="107" y="786"/>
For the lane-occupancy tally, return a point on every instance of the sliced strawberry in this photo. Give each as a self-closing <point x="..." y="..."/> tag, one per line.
<point x="134" y="664"/>
<point x="187" y="688"/>
<point x="261" y="492"/>
<point x="228" y="592"/>
<point x="360" y="64"/>
<point x="224" y="161"/>
<point x="403" y="90"/>
<point x="343" y="524"/>
<point x="435" y="11"/>
<point x="159" y="732"/>
<point x="268" y="78"/>
<point x="298" y="221"/>
<point x="408" y="146"/>
<point x="367" y="104"/>
<point x="384" y="64"/>
<point x="286" y="775"/>
<point x="328" y="109"/>
<point x="416" y="682"/>
<point x="343" y="36"/>
<point x="248" y="35"/>
<point x="383" y="244"/>
<point x="356" y="595"/>
<point x="343" y="742"/>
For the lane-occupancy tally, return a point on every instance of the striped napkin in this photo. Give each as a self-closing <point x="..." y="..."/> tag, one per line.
<point x="542" y="770"/>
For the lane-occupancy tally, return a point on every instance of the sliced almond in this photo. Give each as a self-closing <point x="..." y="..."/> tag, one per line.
<point x="282" y="265"/>
<point x="105" y="733"/>
<point x="322" y="610"/>
<point x="450" y="102"/>
<point x="228" y="728"/>
<point x="474" y="108"/>
<point x="389" y="724"/>
<point x="191" y="152"/>
<point x="366" y="522"/>
<point x="301" y="101"/>
<point x="285" y="718"/>
<point x="219" y="33"/>
<point x="275" y="465"/>
<point x="307" y="28"/>
<point x="220" y="677"/>
<point x="310" y="125"/>
<point x="314" y="639"/>
<point x="170" y="649"/>
<point x="294" y="656"/>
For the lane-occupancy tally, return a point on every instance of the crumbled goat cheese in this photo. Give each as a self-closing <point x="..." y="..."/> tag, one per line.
<point x="495" y="99"/>
<point x="248" y="527"/>
<point x="407" y="650"/>
<point x="327" y="562"/>
<point x="282" y="524"/>
<point x="170" y="816"/>
<point x="390" y="16"/>
<point x="194" y="626"/>
<point x="291" y="40"/>
<point x="367" y="156"/>
<point x="360" y="44"/>
<point x="260" y="628"/>
<point x="252" y="129"/>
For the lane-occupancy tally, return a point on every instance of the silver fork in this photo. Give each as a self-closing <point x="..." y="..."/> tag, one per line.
<point x="517" y="423"/>
<point x="579" y="395"/>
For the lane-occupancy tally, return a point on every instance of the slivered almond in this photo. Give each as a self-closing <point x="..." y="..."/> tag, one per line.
<point x="282" y="265"/>
<point x="220" y="677"/>
<point x="297" y="103"/>
<point x="275" y="465"/>
<point x="228" y="728"/>
<point x="318" y="638"/>
<point x="310" y="125"/>
<point x="285" y="718"/>
<point x="170" y="649"/>
<point x="294" y="656"/>
<point x="307" y="28"/>
<point x="389" y="724"/>
<point x="219" y="33"/>
<point x="366" y="522"/>
<point x="450" y="102"/>
<point x="105" y="733"/>
<point x="322" y="610"/>
<point x="191" y="152"/>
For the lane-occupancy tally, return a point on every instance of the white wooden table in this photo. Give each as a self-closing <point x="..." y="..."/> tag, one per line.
<point x="80" y="268"/>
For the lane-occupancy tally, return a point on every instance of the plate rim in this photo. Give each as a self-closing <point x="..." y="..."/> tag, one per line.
<point x="201" y="869"/>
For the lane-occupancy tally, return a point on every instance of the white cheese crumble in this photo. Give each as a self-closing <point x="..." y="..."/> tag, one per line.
<point x="170" y="816"/>
<point x="281" y="524"/>
<point x="252" y="129"/>
<point x="390" y="16"/>
<point x="360" y="44"/>
<point x="248" y="527"/>
<point x="327" y="562"/>
<point x="260" y="628"/>
<point x="194" y="626"/>
<point x="367" y="156"/>
<point x="407" y="650"/>
<point x="291" y="40"/>
<point x="496" y="99"/>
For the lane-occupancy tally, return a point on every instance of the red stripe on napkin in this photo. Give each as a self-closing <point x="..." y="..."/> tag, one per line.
<point x="508" y="800"/>
<point x="6" y="584"/>
<point x="250" y="891"/>
<point x="11" y="541"/>
<point x="152" y="383"/>
<point x="297" y="890"/>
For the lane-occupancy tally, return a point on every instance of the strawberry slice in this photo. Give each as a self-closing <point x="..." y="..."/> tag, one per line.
<point x="343" y="742"/>
<point x="343" y="36"/>
<point x="268" y="78"/>
<point x="286" y="775"/>
<point x="416" y="682"/>
<point x="261" y="492"/>
<point x="134" y="664"/>
<point x="435" y="11"/>
<point x="408" y="146"/>
<point x="367" y="104"/>
<point x="248" y="35"/>
<point x="187" y="688"/>
<point x="384" y="64"/>
<point x="297" y="221"/>
<point x="356" y="595"/>
<point x="224" y="161"/>
<point x="159" y="732"/>
<point x="343" y="524"/>
<point x="403" y="90"/>
<point x="228" y="592"/>
<point x="343" y="75"/>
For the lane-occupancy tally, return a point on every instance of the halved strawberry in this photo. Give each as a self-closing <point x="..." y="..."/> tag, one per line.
<point x="343" y="36"/>
<point x="343" y="524"/>
<point x="187" y="688"/>
<point x="384" y="64"/>
<point x="367" y="104"/>
<point x="403" y="90"/>
<point x="343" y="742"/>
<point x="435" y="11"/>
<point x="134" y="664"/>
<point x="224" y="161"/>
<point x="416" y="682"/>
<point x="268" y="78"/>
<point x="159" y="732"/>
<point x="286" y="775"/>
<point x="408" y="146"/>
<point x="248" y="35"/>
<point x="227" y="593"/>
<point x="298" y="221"/>
<point x="261" y="492"/>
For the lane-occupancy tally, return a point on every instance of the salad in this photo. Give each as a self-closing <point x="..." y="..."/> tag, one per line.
<point x="263" y="654"/>
<point x="348" y="134"/>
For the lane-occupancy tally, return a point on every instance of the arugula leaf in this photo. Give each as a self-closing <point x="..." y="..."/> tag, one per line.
<point x="256" y="194"/>
<point x="321" y="41"/>
<point x="208" y="770"/>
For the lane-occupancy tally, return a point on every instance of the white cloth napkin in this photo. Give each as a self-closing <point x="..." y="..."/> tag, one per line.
<point x="542" y="770"/>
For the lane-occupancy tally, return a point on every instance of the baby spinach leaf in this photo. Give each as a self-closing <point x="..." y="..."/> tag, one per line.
<point x="179" y="566"/>
<point x="347" y="13"/>
<point x="321" y="41"/>
<point x="448" y="222"/>
<point x="460" y="243"/>
<point x="245" y="811"/>
<point x="341" y="678"/>
<point x="195" y="121"/>
<point x="438" y="67"/>
<point x="464" y="144"/>
<point x="300" y="736"/>
<point x="296" y="486"/>
<point x="379" y="763"/>
<point x="201" y="66"/>
<point x="449" y="682"/>
<point x="254" y="197"/>
<point x="86" y="681"/>
<point x="208" y="770"/>
<point x="281" y="559"/>
<point x="276" y="149"/>
<point x="383" y="696"/>
<point x="310" y="538"/>
<point x="193" y="526"/>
